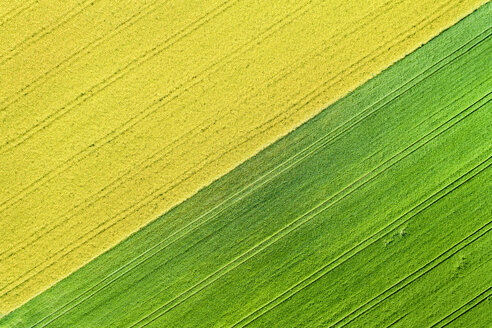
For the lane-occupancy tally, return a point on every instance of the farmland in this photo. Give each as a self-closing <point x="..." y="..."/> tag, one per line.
<point x="114" y="112"/>
<point x="375" y="212"/>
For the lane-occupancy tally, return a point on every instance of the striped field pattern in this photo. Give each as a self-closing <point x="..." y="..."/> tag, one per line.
<point x="375" y="212"/>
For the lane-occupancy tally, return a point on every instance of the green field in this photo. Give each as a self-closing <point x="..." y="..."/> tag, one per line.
<point x="375" y="213"/>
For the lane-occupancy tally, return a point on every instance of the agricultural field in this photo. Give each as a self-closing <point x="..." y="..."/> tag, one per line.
<point x="376" y="212"/>
<point x="114" y="112"/>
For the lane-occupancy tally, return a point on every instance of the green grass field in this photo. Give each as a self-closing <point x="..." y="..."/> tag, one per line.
<point x="375" y="213"/>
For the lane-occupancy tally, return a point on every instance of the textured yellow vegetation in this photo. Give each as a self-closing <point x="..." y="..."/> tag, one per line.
<point x="111" y="112"/>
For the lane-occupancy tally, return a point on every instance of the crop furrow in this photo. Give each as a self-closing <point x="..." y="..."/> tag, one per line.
<point x="30" y="87"/>
<point x="448" y="319"/>
<point x="295" y="224"/>
<point x="428" y="267"/>
<point x="14" y="12"/>
<point x="47" y="30"/>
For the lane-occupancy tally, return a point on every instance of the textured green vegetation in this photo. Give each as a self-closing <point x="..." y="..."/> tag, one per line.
<point x="376" y="212"/>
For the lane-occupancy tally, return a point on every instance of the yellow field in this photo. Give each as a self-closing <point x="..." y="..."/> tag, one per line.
<point x="112" y="112"/>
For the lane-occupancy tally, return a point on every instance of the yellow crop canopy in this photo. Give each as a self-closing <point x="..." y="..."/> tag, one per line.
<point x="112" y="112"/>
